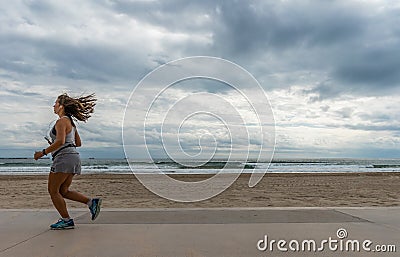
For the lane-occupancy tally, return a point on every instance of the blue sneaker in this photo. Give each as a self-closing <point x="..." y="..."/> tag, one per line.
<point x="95" y="208"/>
<point x="61" y="224"/>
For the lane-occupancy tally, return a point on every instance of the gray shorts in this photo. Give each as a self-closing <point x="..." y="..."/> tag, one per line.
<point x="67" y="163"/>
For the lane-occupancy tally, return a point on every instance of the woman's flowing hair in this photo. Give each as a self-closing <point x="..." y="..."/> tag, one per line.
<point x="79" y="108"/>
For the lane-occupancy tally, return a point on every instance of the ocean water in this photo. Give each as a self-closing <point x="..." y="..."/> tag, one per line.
<point x="120" y="166"/>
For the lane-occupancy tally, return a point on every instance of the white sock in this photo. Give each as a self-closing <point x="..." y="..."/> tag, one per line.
<point x="89" y="203"/>
<point x="66" y="219"/>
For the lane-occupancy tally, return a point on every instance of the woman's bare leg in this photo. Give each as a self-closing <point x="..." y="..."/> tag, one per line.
<point x="54" y="184"/>
<point x="72" y="195"/>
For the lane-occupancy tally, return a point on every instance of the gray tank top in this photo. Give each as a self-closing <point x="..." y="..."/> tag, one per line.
<point x="69" y="139"/>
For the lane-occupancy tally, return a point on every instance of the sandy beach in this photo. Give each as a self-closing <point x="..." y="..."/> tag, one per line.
<point x="274" y="190"/>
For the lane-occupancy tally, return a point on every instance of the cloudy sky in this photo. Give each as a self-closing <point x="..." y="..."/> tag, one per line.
<point x="331" y="70"/>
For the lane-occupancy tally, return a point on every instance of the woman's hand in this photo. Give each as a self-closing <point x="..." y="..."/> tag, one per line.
<point x="38" y="155"/>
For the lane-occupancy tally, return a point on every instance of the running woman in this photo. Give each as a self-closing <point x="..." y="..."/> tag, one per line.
<point x="66" y="160"/>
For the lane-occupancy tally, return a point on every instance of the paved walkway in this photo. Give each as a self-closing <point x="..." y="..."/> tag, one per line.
<point x="221" y="232"/>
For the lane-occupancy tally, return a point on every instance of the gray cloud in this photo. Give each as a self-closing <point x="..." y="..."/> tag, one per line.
<point x="270" y="25"/>
<point x="92" y="62"/>
<point x="371" y="68"/>
<point x="175" y="15"/>
<point x="377" y="117"/>
<point x="345" y="112"/>
<point x="373" y="127"/>
<point x="41" y="7"/>
<point x="324" y="90"/>
<point x="19" y="93"/>
<point x="358" y="52"/>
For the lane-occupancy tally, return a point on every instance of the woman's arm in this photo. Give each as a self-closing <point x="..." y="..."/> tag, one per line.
<point x="61" y="127"/>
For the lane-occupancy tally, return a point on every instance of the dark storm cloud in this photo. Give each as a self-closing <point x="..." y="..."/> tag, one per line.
<point x="248" y="27"/>
<point x="18" y="54"/>
<point x="375" y="67"/>
<point x="254" y="26"/>
<point x="354" y="45"/>
<point x="358" y="51"/>
<point x="93" y="62"/>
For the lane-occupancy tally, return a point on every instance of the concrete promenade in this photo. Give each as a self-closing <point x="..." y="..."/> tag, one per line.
<point x="229" y="232"/>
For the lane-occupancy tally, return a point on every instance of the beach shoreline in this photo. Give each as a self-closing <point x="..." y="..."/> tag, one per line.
<point x="351" y="189"/>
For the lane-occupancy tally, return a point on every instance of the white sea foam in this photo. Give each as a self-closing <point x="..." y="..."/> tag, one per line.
<point x="120" y="166"/>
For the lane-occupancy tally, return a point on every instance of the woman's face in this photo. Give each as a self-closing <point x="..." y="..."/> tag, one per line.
<point x="57" y="107"/>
